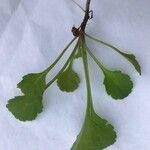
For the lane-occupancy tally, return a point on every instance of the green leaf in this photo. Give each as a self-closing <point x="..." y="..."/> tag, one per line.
<point x="25" y="107"/>
<point x="96" y="134"/>
<point x="117" y="84"/>
<point x="33" y="84"/>
<point x="68" y="80"/>
<point x="132" y="59"/>
<point x="28" y="106"/>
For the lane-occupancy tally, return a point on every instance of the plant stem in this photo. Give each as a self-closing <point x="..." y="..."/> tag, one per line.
<point x="104" y="43"/>
<point x="59" y="57"/>
<point x="86" y="17"/>
<point x="95" y="59"/>
<point x="90" y="108"/>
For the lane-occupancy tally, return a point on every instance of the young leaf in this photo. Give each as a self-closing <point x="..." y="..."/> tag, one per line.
<point x="33" y="84"/>
<point x="96" y="134"/>
<point x="25" y="107"/>
<point x="130" y="57"/>
<point x="117" y="84"/>
<point x="68" y="80"/>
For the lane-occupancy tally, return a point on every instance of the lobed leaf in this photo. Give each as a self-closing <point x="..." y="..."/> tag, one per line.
<point x="28" y="106"/>
<point x="96" y="134"/>
<point x="33" y="84"/>
<point x="25" y="107"/>
<point x="117" y="84"/>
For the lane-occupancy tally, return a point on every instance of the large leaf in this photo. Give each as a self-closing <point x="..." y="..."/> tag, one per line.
<point x="28" y="106"/>
<point x="96" y="134"/>
<point x="33" y="84"/>
<point x="68" y="80"/>
<point x="25" y="107"/>
<point x="117" y="84"/>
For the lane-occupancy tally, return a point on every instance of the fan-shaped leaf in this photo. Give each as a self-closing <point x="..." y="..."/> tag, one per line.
<point x="28" y="106"/>
<point x="68" y="80"/>
<point x="33" y="84"/>
<point x="96" y="134"/>
<point x="117" y="84"/>
<point x="25" y="107"/>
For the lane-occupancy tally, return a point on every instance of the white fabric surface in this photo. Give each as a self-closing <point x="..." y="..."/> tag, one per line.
<point x="34" y="32"/>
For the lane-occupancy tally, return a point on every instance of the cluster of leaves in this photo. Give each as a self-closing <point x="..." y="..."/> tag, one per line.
<point x="96" y="133"/>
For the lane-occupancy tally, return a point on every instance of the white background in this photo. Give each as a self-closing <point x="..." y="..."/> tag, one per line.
<point x="34" y="32"/>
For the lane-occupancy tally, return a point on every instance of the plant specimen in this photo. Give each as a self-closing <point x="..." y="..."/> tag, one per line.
<point x="96" y="133"/>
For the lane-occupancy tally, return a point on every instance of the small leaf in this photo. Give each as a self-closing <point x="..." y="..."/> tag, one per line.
<point x="117" y="84"/>
<point x="68" y="80"/>
<point x="132" y="59"/>
<point x="96" y="134"/>
<point x="25" y="107"/>
<point x="33" y="84"/>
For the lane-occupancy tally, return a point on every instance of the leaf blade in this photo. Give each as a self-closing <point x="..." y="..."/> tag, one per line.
<point x="117" y="84"/>
<point x="33" y="84"/>
<point x="25" y="108"/>
<point x="28" y="106"/>
<point x="96" y="134"/>
<point x="68" y="80"/>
